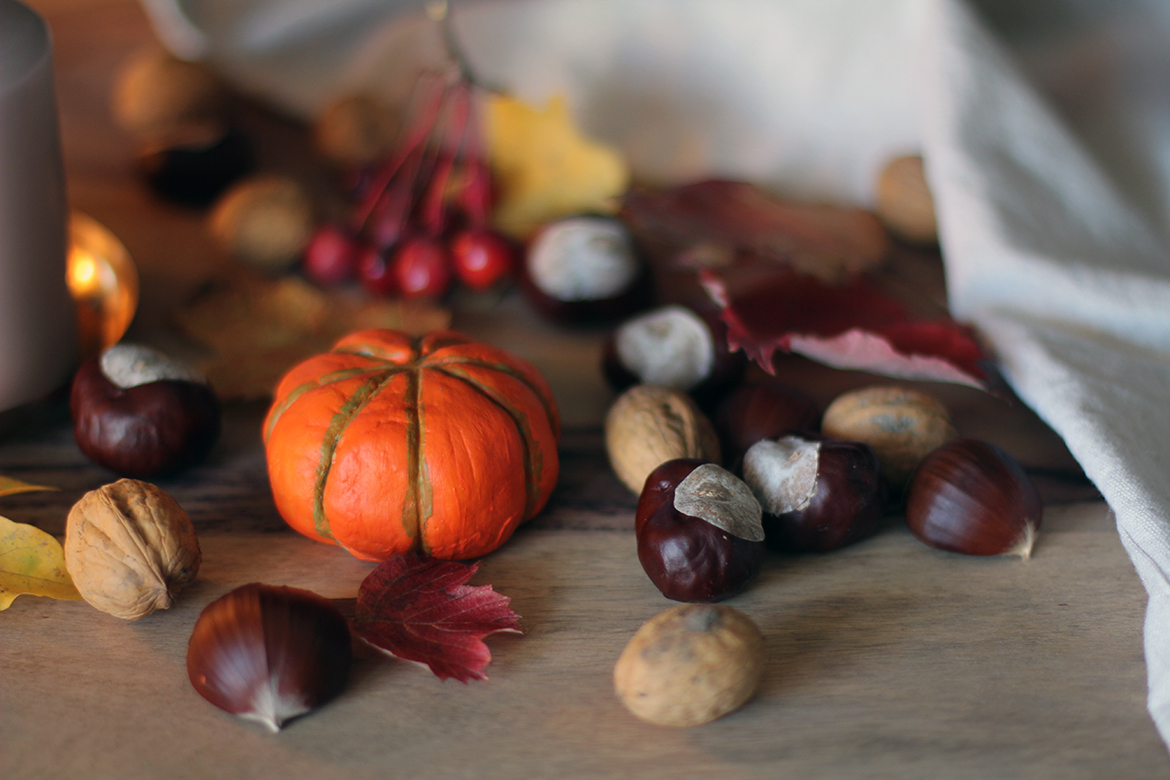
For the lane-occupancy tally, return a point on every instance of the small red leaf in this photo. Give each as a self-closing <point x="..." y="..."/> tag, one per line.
<point x="418" y="609"/>
<point x="849" y="326"/>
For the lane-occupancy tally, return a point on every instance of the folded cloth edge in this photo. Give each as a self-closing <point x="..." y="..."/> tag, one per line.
<point x="1100" y="388"/>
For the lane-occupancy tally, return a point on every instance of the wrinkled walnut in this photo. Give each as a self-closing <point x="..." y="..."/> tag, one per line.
<point x="649" y="425"/>
<point x="130" y="548"/>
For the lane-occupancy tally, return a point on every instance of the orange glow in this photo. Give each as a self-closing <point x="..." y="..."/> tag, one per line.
<point x="102" y="280"/>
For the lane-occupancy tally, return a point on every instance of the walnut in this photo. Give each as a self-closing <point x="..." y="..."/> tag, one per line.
<point x="130" y="548"/>
<point x="649" y="425"/>
<point x="690" y="665"/>
<point x="901" y="425"/>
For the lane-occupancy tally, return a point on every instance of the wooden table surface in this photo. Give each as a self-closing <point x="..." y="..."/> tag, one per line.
<point x="886" y="659"/>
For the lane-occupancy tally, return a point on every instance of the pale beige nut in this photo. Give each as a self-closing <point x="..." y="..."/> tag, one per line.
<point x="356" y="130"/>
<point x="649" y="425"/>
<point x="266" y="221"/>
<point x="690" y="665"/>
<point x="902" y="426"/>
<point x="130" y="548"/>
<point x="167" y="102"/>
<point x="904" y="201"/>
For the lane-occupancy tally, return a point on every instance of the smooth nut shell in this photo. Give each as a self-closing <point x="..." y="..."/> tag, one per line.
<point x="692" y="558"/>
<point x="130" y="548"/>
<point x="649" y="425"/>
<point x="690" y="665"/>
<point x="904" y="201"/>
<point x="146" y="430"/>
<point x="756" y="411"/>
<point x="974" y="498"/>
<point x="269" y="653"/>
<point x="902" y="426"/>
<point x="845" y="506"/>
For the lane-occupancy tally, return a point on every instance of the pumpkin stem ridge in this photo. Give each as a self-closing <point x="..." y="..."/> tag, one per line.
<point x="337" y="427"/>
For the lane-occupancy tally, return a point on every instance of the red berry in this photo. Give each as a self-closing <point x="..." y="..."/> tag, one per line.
<point x="331" y="256"/>
<point x="374" y="272"/>
<point x="422" y="268"/>
<point x="481" y="257"/>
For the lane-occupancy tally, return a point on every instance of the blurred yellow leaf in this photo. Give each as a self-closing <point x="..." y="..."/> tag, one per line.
<point x="8" y="486"/>
<point x="545" y="168"/>
<point x="31" y="562"/>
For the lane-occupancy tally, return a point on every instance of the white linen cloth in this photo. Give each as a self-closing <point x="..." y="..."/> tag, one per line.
<point x="1054" y="225"/>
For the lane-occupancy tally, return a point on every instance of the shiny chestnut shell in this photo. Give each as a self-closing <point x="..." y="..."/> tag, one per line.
<point x="755" y="411"/>
<point x="143" y="431"/>
<point x="687" y="558"/>
<point x="269" y="653"/>
<point x="971" y="497"/>
<point x="847" y="506"/>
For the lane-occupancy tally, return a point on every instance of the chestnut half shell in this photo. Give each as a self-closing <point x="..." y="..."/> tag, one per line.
<point x="971" y="497"/>
<point x="269" y="653"/>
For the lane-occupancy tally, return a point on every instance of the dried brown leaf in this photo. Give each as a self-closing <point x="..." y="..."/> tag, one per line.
<point x="258" y="328"/>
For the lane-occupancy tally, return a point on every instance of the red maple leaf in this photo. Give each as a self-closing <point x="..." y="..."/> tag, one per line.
<point x="418" y="609"/>
<point x="851" y="326"/>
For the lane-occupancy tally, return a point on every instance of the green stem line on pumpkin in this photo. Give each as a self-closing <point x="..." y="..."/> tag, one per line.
<point x="417" y="504"/>
<point x="325" y="381"/>
<point x="507" y="370"/>
<point x="533" y="456"/>
<point x="337" y="427"/>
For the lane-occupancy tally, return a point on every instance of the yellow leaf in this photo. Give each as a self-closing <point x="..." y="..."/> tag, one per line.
<point x="32" y="562"/>
<point x="8" y="486"/>
<point x="544" y="168"/>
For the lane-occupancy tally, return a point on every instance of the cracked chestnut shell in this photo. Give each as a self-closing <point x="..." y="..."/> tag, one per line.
<point x="269" y="653"/>
<point x="817" y="495"/>
<point x="698" y="540"/>
<point x="971" y="497"/>
<point x="141" y="415"/>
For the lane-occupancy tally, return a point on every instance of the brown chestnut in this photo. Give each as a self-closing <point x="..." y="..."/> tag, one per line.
<point x="584" y="268"/>
<point x="140" y="414"/>
<point x="672" y="346"/>
<point x="698" y="530"/>
<point x="817" y="495"/>
<point x="758" y="410"/>
<point x="971" y="497"/>
<point x="269" y="653"/>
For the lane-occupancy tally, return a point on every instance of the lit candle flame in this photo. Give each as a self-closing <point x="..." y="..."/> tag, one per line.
<point x="83" y="275"/>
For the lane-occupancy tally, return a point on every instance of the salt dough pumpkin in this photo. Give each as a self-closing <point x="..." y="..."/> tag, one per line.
<point x="391" y="443"/>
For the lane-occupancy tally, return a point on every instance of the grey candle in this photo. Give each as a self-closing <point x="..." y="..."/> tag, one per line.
<point x="38" y="334"/>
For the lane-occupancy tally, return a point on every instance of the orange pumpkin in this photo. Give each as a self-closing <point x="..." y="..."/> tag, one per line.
<point x="392" y="443"/>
